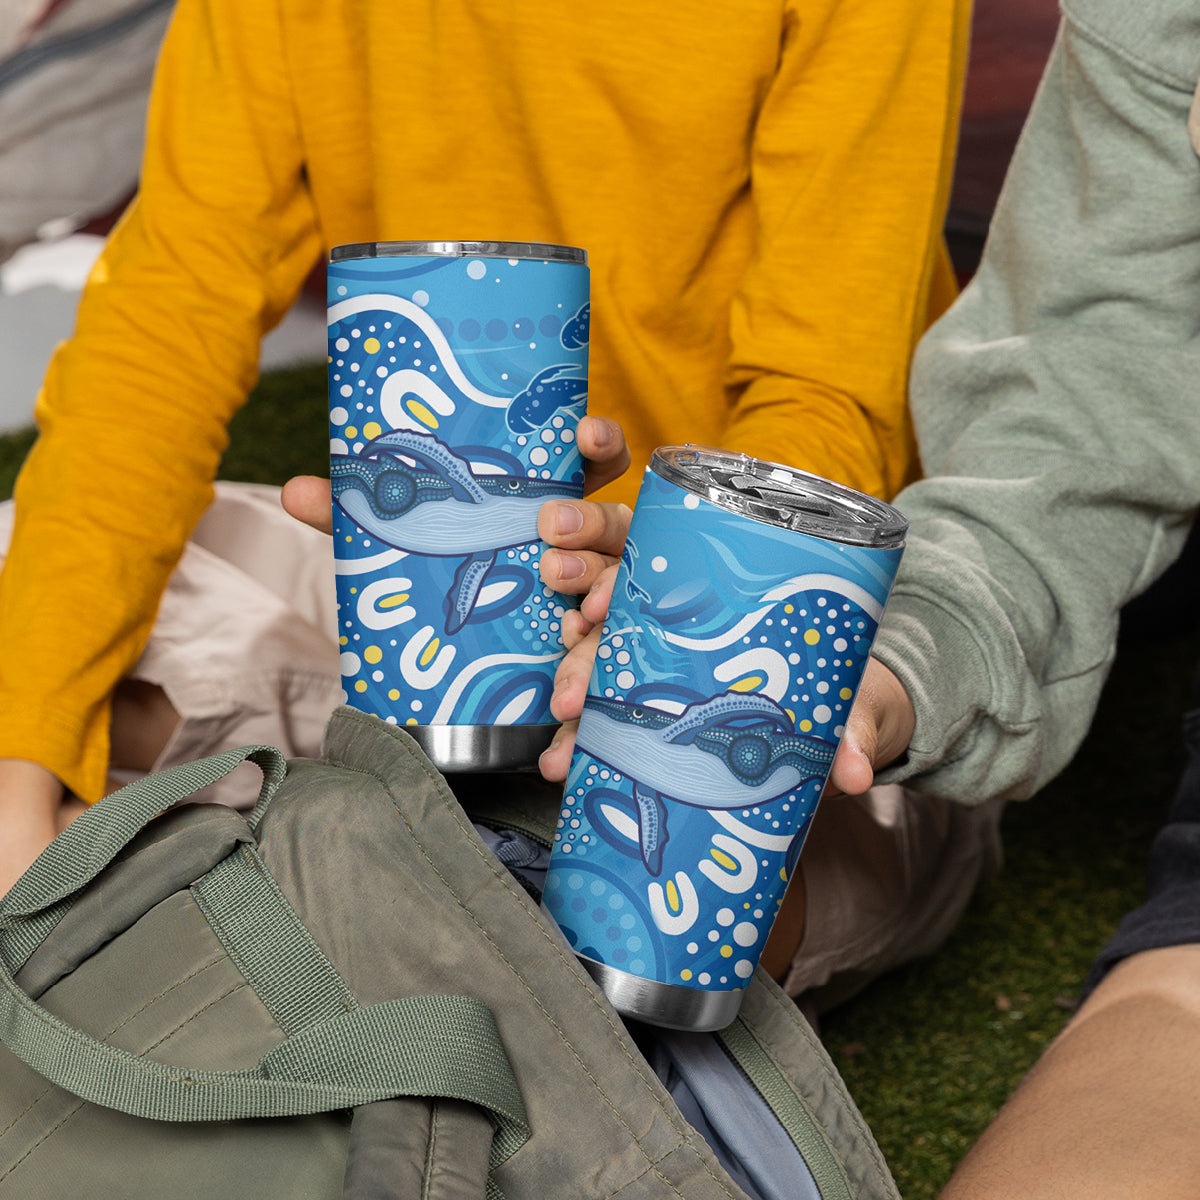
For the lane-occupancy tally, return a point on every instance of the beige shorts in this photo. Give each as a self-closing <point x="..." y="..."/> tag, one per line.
<point x="887" y="876"/>
<point x="244" y="644"/>
<point x="245" y="649"/>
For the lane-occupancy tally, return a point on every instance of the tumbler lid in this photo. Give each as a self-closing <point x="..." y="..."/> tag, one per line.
<point x="783" y="496"/>
<point x="543" y="251"/>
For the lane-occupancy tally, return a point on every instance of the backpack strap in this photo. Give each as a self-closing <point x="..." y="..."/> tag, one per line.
<point x="37" y="901"/>
<point x="437" y="1045"/>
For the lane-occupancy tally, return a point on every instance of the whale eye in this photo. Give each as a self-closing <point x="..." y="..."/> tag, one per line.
<point x="638" y="713"/>
<point x="514" y="485"/>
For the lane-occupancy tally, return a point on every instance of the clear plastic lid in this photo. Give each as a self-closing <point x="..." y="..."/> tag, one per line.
<point x="783" y="496"/>
<point x="541" y="251"/>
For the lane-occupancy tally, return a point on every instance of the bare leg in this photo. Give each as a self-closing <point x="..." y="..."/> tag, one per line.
<point x="1112" y="1109"/>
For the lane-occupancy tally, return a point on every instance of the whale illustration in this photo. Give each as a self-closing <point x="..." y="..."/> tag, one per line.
<point x="411" y="491"/>
<point x="729" y="751"/>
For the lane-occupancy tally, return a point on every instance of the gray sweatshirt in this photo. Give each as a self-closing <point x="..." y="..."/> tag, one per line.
<point x="1057" y="411"/>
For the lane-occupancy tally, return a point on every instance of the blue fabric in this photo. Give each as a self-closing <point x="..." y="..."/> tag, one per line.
<point x="721" y="1104"/>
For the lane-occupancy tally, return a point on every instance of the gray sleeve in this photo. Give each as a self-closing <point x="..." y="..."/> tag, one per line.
<point x="1056" y="410"/>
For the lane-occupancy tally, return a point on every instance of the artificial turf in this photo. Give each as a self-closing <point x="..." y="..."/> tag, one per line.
<point x="930" y="1051"/>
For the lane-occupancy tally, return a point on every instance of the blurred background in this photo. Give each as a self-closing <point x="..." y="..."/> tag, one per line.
<point x="74" y="79"/>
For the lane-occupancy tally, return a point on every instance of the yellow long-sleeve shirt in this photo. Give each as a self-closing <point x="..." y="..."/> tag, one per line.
<point x="760" y="187"/>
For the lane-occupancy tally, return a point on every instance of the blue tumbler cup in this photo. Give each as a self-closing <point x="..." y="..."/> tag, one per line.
<point x="742" y="616"/>
<point x="457" y="376"/>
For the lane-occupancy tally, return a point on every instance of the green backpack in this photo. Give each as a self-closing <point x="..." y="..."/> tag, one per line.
<point x="349" y="994"/>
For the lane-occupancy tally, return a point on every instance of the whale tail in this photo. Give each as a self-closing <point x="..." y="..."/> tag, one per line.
<point x="629" y="556"/>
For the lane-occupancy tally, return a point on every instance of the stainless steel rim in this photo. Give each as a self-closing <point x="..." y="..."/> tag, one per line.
<point x="665" y="1004"/>
<point x="780" y="495"/>
<point x="466" y="749"/>
<point x="538" y="251"/>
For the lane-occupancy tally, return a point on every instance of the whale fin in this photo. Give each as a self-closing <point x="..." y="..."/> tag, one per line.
<point x="468" y="580"/>
<point x="454" y="470"/>
<point x="652" y="827"/>
<point x="722" y="711"/>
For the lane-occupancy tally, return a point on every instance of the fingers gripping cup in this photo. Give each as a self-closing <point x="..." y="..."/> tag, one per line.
<point x="457" y="377"/>
<point x="743" y="612"/>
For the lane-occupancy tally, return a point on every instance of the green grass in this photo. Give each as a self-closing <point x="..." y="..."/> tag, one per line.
<point x="930" y="1052"/>
<point x="282" y="431"/>
<point x="13" y="448"/>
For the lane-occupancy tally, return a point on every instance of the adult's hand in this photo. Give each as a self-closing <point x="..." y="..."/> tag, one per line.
<point x="307" y="498"/>
<point x="600" y="441"/>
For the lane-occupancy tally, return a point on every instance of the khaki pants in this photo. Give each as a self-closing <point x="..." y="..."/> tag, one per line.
<point x="245" y="649"/>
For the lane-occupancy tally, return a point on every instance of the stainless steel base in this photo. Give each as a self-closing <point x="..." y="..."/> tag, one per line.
<point x="473" y="748"/>
<point x="665" y="1004"/>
